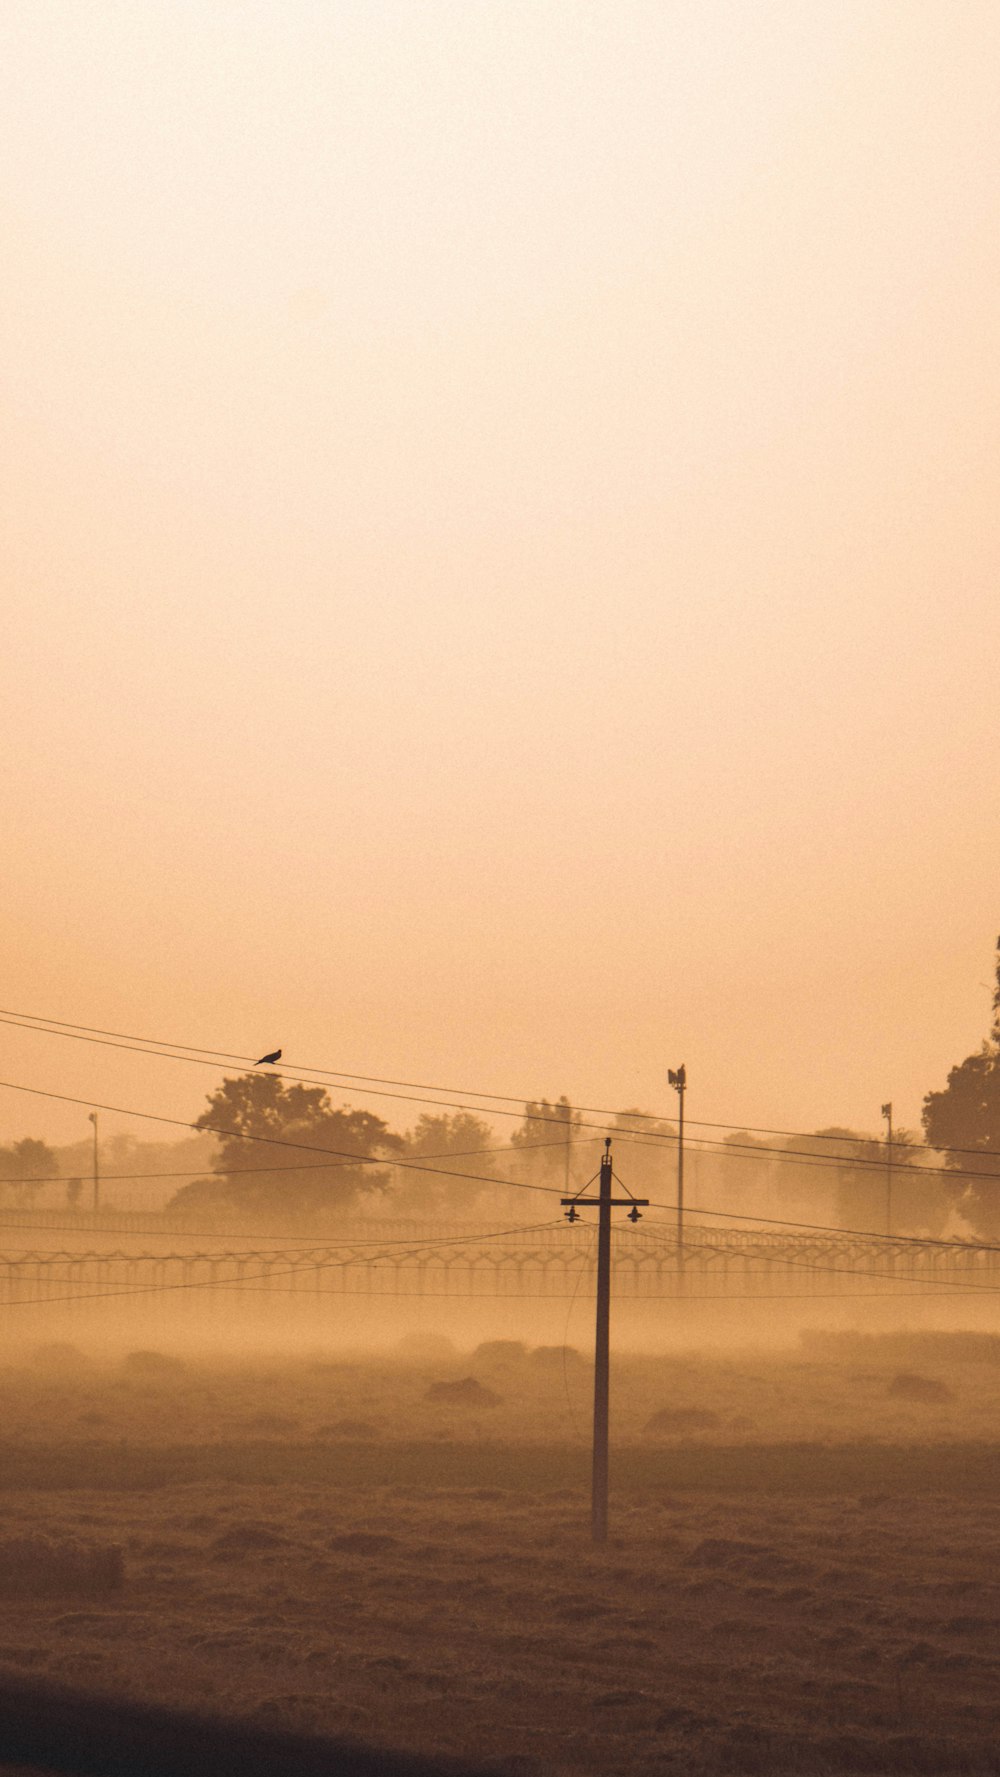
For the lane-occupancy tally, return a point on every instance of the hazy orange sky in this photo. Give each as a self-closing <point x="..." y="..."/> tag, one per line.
<point x="501" y="545"/>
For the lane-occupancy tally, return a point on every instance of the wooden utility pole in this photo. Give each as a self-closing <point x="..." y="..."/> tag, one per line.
<point x="604" y="1204"/>
<point x="678" y="1081"/>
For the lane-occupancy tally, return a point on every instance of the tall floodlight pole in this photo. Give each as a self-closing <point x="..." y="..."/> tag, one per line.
<point x="604" y="1204"/>
<point x="887" y="1114"/>
<point x="92" y="1117"/>
<point x="678" y="1081"/>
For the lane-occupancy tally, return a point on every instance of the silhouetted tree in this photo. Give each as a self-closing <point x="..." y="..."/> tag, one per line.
<point x="644" y="1152"/>
<point x="454" y="1144"/>
<point x="24" y="1167"/>
<point x="919" y="1204"/>
<point x="253" y="1178"/>
<point x="965" y="1114"/>
<point x="542" y="1138"/>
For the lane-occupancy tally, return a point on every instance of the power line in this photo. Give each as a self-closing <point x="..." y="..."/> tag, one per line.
<point x="427" y="1241"/>
<point x="412" y="1166"/>
<point x="262" y="1282"/>
<point x="278" y="1141"/>
<point x="726" y="1149"/>
<point x="701" y="1144"/>
<point x="472" y="1235"/>
<point x="885" y="1276"/>
<point x="832" y="1228"/>
<point x="516" y="1184"/>
<point x="231" y="1172"/>
<point x="210" y="1057"/>
<point x="723" y="1148"/>
<point x="851" y="1270"/>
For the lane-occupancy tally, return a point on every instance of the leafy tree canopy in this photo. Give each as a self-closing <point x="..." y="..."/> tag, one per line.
<point x="459" y="1135"/>
<point x="253" y="1178"/>
<point x="542" y="1140"/>
<point x="966" y="1112"/>
<point x="644" y="1150"/>
<point x="24" y="1167"/>
<point x="455" y="1144"/>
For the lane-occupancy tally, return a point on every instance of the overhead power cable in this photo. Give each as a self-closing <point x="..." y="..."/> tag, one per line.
<point x="230" y="1172"/>
<point x="839" y="1162"/>
<point x="725" y="1147"/>
<point x="864" y="1236"/>
<point x="182" y="1051"/>
<point x="701" y="1144"/>
<point x="470" y="1234"/>
<point x="278" y="1141"/>
<point x="831" y="1228"/>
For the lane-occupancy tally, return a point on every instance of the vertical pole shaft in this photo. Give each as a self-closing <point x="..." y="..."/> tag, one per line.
<point x="97" y="1171"/>
<point x="569" y="1131"/>
<point x="680" y="1183"/>
<point x="602" y="1357"/>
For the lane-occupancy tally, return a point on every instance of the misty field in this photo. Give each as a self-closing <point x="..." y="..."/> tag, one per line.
<point x="803" y="1574"/>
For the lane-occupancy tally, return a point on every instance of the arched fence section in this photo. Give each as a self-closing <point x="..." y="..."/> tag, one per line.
<point x="554" y="1260"/>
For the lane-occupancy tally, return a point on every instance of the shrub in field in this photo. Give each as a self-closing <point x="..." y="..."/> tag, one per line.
<point x="466" y="1393"/>
<point x="36" y="1566"/>
<point x="495" y="1352"/>
<point x="244" y="1539"/>
<point x="151" y="1365"/>
<point x="909" y="1387"/>
<point x="554" y="1356"/>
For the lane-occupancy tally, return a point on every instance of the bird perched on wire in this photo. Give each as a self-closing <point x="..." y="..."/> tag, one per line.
<point x="269" y="1060"/>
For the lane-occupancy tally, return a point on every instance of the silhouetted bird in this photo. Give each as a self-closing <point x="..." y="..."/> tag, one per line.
<point x="267" y="1060"/>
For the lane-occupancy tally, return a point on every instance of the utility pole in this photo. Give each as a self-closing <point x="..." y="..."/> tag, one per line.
<point x="678" y="1081"/>
<point x="887" y="1114"/>
<point x="92" y="1117"/>
<point x="604" y="1204"/>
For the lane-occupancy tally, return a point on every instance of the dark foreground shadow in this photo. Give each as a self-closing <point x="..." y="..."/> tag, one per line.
<point x="51" y="1729"/>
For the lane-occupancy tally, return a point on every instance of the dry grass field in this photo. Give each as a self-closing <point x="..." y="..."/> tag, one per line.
<point x="803" y="1574"/>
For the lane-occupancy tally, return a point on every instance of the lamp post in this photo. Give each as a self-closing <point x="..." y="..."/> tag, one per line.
<point x="92" y="1118"/>
<point x="887" y="1114"/>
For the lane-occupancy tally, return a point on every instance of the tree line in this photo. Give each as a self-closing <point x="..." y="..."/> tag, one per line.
<point x="286" y="1151"/>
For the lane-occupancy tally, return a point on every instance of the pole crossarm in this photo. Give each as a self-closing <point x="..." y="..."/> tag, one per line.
<point x="613" y="1202"/>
